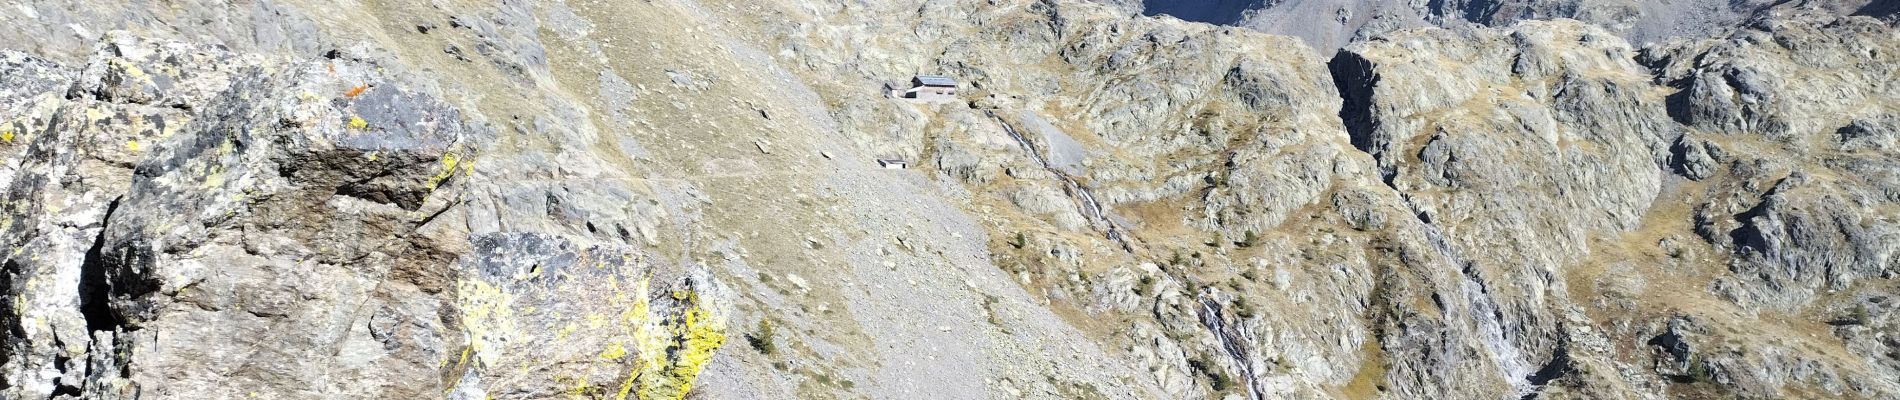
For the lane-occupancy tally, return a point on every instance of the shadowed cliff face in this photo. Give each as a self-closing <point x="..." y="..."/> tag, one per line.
<point x="681" y="199"/>
<point x="1218" y="12"/>
<point x="1882" y="9"/>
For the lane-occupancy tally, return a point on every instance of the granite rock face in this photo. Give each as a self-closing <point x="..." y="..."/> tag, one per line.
<point x="1680" y="175"/>
<point x="1510" y="145"/>
<point x="194" y="223"/>
<point x="1799" y="195"/>
<point x="1331" y="24"/>
<point x="683" y="199"/>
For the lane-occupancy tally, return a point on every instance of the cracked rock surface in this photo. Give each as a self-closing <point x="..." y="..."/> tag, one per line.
<point x="682" y="199"/>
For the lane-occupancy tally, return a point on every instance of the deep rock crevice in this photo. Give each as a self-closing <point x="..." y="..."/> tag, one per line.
<point x="1558" y="367"/>
<point x="1354" y="79"/>
<point x="95" y="288"/>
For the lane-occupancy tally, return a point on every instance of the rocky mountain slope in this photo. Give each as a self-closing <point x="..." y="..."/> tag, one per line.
<point x="680" y="199"/>
<point x="1331" y="24"/>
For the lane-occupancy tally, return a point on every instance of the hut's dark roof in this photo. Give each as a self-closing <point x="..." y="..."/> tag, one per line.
<point x="934" y="80"/>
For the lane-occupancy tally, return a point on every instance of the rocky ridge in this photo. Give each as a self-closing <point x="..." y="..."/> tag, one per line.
<point x="1331" y="24"/>
<point x="674" y="199"/>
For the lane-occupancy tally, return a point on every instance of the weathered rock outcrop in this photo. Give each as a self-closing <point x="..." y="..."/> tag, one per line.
<point x="1787" y="117"/>
<point x="302" y="199"/>
<point x="178" y="206"/>
<point x="1331" y="24"/>
<point x="192" y="223"/>
<point x="1515" y="144"/>
<point x="1731" y="181"/>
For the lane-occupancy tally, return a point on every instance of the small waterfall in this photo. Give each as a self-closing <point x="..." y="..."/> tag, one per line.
<point x="1236" y="346"/>
<point x="1084" y="199"/>
<point x="1485" y="311"/>
<point x="1491" y="328"/>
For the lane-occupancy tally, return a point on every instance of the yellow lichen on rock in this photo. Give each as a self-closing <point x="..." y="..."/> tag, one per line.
<point x="661" y="340"/>
<point x="215" y="180"/>
<point x="214" y="173"/>
<point x="489" y="318"/>
<point x="130" y="69"/>
<point x="693" y="335"/>
<point x="566" y="330"/>
<point x="449" y="161"/>
<point x="357" y="123"/>
<point x="94" y="115"/>
<point x="614" y="351"/>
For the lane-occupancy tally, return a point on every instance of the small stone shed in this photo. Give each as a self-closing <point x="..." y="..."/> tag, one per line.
<point x="927" y="88"/>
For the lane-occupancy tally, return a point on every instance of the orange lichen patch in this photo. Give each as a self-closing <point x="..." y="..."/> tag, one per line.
<point x="356" y="91"/>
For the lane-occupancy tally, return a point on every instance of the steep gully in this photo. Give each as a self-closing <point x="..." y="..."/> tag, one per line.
<point x="1354" y="78"/>
<point x="1355" y="81"/>
<point x="1233" y="339"/>
<point x="1085" y="200"/>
